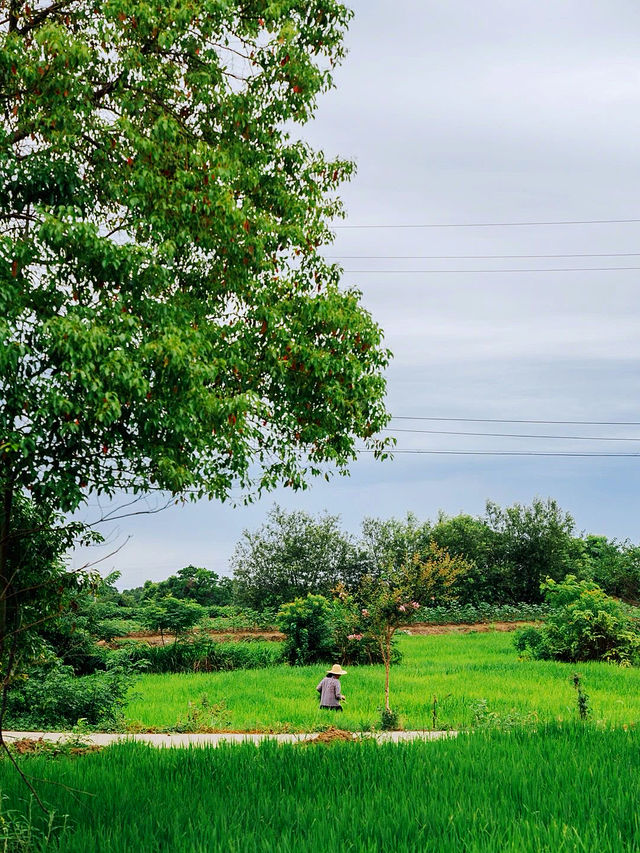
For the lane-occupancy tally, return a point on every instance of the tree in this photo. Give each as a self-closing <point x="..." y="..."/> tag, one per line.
<point x="166" y="319"/>
<point x="472" y="538"/>
<point x="173" y="615"/>
<point x="392" y="541"/>
<point x="196" y="584"/>
<point x="395" y="597"/>
<point x="534" y="543"/>
<point x="291" y="555"/>
<point x="46" y="589"/>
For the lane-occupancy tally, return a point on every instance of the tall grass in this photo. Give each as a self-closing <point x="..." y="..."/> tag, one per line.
<point x="460" y="670"/>
<point x="561" y="790"/>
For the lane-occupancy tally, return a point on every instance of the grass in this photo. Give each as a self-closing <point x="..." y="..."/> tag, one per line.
<point x="462" y="670"/>
<point x="561" y="790"/>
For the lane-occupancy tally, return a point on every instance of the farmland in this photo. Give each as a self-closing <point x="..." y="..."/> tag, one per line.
<point x="561" y="789"/>
<point x="471" y="675"/>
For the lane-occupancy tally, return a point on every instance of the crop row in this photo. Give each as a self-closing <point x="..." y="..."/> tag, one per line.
<point x="560" y="789"/>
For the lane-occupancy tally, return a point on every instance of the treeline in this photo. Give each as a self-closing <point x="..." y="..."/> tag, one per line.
<point x="510" y="552"/>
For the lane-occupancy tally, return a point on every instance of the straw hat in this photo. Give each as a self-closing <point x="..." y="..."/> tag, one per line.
<point x="336" y="669"/>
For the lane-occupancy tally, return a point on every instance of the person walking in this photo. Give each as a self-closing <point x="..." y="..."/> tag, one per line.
<point x="329" y="689"/>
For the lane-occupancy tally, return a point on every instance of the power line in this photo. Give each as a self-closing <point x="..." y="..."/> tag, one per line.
<point x="497" y="224"/>
<point x="500" y="270"/>
<point x="508" y="453"/>
<point x="512" y="435"/>
<point x="477" y="257"/>
<point x="511" y="421"/>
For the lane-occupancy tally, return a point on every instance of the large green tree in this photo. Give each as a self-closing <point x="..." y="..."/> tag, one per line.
<point x="166" y="319"/>
<point x="290" y="556"/>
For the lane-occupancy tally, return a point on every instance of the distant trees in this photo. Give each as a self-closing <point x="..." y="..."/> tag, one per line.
<point x="509" y="552"/>
<point x="290" y="555"/>
<point x="191" y="582"/>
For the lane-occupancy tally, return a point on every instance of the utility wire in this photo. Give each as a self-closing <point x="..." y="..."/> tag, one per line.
<point x="476" y="257"/>
<point x="511" y="421"/>
<point x="507" y="453"/>
<point x="512" y="435"/>
<point x="501" y="270"/>
<point x="496" y="224"/>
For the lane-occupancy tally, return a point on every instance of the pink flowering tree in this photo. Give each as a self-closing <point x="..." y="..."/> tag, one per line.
<point x="397" y="597"/>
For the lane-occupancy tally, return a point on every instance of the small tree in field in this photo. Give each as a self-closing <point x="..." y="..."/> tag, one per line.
<point x="174" y="615"/>
<point x="396" y="597"/>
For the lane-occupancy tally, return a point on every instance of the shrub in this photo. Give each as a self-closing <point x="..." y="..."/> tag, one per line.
<point x="53" y="697"/>
<point x="200" y="655"/>
<point x="308" y="626"/>
<point x="584" y="624"/>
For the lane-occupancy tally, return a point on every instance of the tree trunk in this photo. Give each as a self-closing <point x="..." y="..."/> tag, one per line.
<point x="6" y="502"/>
<point x="387" y="667"/>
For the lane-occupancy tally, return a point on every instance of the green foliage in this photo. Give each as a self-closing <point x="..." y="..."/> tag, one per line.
<point x="389" y="720"/>
<point x="232" y="617"/>
<point x="460" y="669"/>
<point x="582" y="698"/>
<point x="202" y="654"/>
<point x="166" y="318"/>
<point x="484" y="718"/>
<point x="41" y="598"/>
<point x="195" y="584"/>
<point x="565" y="789"/>
<point x="584" y="624"/>
<point x="615" y="567"/>
<point x="172" y="615"/>
<point x="20" y="832"/>
<point x="52" y="697"/>
<point x="534" y="543"/>
<point x="391" y="542"/>
<point x="483" y="611"/>
<point x="308" y="626"/>
<point x="293" y="554"/>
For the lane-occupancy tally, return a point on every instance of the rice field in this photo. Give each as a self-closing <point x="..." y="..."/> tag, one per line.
<point x="562" y="789"/>
<point x="466" y="672"/>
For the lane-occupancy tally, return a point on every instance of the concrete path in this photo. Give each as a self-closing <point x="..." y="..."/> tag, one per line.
<point x="103" y="739"/>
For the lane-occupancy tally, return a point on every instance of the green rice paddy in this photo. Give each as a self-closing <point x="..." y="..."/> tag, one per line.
<point x="562" y="789"/>
<point x="462" y="670"/>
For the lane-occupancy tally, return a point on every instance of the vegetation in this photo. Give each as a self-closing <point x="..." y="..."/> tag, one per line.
<point x="309" y="627"/>
<point x="202" y="654"/>
<point x="167" y="322"/>
<point x="509" y="552"/>
<point x="516" y="792"/>
<point x="191" y="582"/>
<point x="292" y="555"/>
<point x="583" y="624"/>
<point x="173" y="615"/>
<point x="54" y="698"/>
<point x="461" y="670"/>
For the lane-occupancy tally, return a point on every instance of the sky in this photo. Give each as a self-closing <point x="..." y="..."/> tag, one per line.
<point x="458" y="114"/>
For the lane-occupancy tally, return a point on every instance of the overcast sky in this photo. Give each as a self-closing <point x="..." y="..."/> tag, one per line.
<point x="467" y="112"/>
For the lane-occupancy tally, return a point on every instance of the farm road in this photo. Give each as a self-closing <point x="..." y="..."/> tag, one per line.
<point x="163" y="740"/>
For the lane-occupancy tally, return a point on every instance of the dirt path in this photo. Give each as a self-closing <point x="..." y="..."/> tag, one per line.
<point x="242" y="634"/>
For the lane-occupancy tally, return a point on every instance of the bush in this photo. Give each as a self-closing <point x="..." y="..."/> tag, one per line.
<point x="585" y="624"/>
<point x="53" y="697"/>
<point x="308" y="626"/>
<point x="200" y="655"/>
